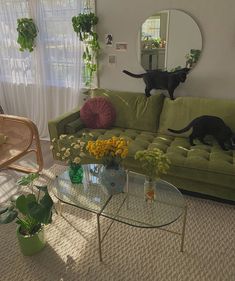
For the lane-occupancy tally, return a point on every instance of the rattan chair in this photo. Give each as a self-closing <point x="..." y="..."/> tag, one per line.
<point x="22" y="138"/>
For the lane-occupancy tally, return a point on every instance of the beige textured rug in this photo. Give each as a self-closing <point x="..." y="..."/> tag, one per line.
<point x="129" y="253"/>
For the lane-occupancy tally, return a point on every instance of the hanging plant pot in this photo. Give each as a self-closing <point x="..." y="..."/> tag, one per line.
<point x="83" y="25"/>
<point x="27" y="32"/>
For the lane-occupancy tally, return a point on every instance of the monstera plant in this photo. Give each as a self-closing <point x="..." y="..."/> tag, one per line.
<point x="27" y="32"/>
<point x="83" y="25"/>
<point x="31" y="213"/>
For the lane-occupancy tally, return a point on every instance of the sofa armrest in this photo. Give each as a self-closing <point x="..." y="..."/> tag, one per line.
<point x="57" y="126"/>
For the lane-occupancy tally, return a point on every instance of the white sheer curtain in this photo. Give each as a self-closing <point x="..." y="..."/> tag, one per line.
<point x="45" y="83"/>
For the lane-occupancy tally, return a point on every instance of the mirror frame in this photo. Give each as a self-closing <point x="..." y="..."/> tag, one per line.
<point x="192" y="55"/>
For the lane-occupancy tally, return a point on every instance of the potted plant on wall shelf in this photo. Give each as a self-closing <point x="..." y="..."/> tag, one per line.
<point x="31" y="213"/>
<point x="83" y="25"/>
<point x="27" y="32"/>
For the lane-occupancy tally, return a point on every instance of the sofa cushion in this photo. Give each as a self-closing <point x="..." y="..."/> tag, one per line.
<point x="178" y="113"/>
<point x="134" y="110"/>
<point x="98" y="113"/>
<point x="208" y="163"/>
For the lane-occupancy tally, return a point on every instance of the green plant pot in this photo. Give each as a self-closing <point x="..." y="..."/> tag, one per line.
<point x="32" y="244"/>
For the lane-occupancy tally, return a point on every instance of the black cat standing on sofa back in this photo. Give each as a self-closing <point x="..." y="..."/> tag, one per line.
<point x="209" y="125"/>
<point x="157" y="79"/>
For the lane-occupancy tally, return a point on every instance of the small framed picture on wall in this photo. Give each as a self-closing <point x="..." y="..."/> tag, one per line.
<point x="121" y="46"/>
<point x="109" y="40"/>
<point x="112" y="60"/>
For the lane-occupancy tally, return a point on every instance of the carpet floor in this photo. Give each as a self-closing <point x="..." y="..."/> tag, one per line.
<point x="129" y="253"/>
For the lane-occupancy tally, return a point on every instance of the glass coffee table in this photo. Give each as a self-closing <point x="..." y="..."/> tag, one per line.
<point x="128" y="207"/>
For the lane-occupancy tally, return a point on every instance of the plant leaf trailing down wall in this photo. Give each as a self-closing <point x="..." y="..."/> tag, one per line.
<point x="27" y="32"/>
<point x="83" y="25"/>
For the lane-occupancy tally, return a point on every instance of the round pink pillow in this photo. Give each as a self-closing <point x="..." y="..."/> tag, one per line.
<point x="98" y="113"/>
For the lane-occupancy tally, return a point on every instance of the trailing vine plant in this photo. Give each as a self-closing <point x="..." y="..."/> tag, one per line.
<point x="27" y="32"/>
<point x="83" y="25"/>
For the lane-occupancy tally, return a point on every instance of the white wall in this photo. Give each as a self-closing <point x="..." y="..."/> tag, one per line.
<point x="183" y="35"/>
<point x="214" y="74"/>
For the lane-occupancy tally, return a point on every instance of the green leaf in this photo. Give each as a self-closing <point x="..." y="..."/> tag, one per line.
<point x="42" y="188"/>
<point x="27" y="179"/>
<point x="31" y="198"/>
<point x="23" y="202"/>
<point x="36" y="211"/>
<point x="8" y="217"/>
<point x="46" y="201"/>
<point x="3" y="210"/>
<point x="15" y="197"/>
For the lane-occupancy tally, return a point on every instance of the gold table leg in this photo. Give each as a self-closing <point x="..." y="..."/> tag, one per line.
<point x="183" y="229"/>
<point x="99" y="236"/>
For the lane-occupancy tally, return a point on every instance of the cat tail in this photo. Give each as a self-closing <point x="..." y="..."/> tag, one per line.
<point x="182" y="130"/>
<point x="133" y="75"/>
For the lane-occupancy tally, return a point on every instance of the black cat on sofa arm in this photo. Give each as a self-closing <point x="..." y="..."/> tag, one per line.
<point x="164" y="80"/>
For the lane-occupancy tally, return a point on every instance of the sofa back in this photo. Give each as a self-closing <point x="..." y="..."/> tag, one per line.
<point x="176" y="114"/>
<point x="134" y="110"/>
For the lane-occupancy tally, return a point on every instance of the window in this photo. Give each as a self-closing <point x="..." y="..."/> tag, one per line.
<point x="151" y="28"/>
<point x="16" y="65"/>
<point x="58" y="53"/>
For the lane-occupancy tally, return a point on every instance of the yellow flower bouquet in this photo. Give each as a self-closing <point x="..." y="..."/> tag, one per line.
<point x="154" y="163"/>
<point x="111" y="151"/>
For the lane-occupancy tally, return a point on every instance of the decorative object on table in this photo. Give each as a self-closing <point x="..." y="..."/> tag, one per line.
<point x="27" y="32"/>
<point x="28" y="180"/>
<point x="71" y="150"/>
<point x="111" y="152"/>
<point x="154" y="162"/>
<point x="75" y="173"/>
<point x="98" y="113"/>
<point x="83" y="25"/>
<point x="31" y="214"/>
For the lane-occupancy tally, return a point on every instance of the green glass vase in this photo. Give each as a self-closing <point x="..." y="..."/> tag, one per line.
<point x="75" y="173"/>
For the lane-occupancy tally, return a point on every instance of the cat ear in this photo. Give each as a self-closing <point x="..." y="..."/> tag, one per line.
<point x="183" y="77"/>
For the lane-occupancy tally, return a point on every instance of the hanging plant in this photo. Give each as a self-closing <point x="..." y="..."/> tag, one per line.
<point x="27" y="32"/>
<point x="83" y="25"/>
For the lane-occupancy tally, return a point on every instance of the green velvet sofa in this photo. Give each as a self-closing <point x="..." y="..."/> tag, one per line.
<point x="201" y="169"/>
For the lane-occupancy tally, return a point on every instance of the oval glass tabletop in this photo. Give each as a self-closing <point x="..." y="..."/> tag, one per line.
<point x="89" y="195"/>
<point x="127" y="207"/>
<point x="135" y="211"/>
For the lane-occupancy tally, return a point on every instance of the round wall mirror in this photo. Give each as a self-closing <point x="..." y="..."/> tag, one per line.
<point x="169" y="40"/>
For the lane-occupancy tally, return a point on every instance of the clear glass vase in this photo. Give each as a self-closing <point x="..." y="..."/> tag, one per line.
<point x="113" y="179"/>
<point x="75" y="173"/>
<point x="150" y="189"/>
